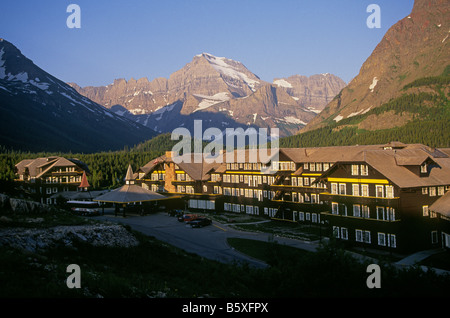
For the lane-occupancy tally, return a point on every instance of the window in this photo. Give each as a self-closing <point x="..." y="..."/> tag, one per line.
<point x="342" y="188"/>
<point x="389" y="191"/>
<point x="355" y="170"/>
<point x="356" y="211"/>
<point x="344" y="233"/>
<point x="423" y="168"/>
<point x="364" y="190"/>
<point x="326" y="166"/>
<point x="434" y="237"/>
<point x="392" y="240"/>
<point x="301" y="216"/>
<point x="367" y="237"/>
<point x="294" y="182"/>
<point x="365" y="211"/>
<point x="334" y="188"/>
<point x="189" y="189"/>
<point x="390" y="214"/>
<point x="380" y="213"/>
<point x="425" y="211"/>
<point x="355" y="189"/>
<point x="440" y="191"/>
<point x="307" y="197"/>
<point x="334" y="208"/>
<point x="379" y="193"/>
<point x="358" y="235"/>
<point x="48" y="190"/>
<point x="336" y="231"/>
<point x="381" y="239"/>
<point x="424" y="190"/>
<point x="364" y="170"/>
<point x="432" y="191"/>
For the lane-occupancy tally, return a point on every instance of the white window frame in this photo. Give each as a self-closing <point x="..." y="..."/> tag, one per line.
<point x="379" y="189"/>
<point x="355" y="189"/>
<point x="355" y="170"/>
<point x="356" y="210"/>
<point x="381" y="239"/>
<point x="359" y="237"/>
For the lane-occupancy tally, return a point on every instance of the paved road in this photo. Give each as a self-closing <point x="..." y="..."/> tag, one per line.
<point x="209" y="242"/>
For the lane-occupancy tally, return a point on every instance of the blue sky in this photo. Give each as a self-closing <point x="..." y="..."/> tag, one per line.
<point x="124" y="39"/>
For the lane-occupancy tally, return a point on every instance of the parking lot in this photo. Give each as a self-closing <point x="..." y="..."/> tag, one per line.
<point x="209" y="241"/>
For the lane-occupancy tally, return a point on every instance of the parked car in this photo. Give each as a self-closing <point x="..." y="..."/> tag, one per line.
<point x="200" y="222"/>
<point x="187" y="217"/>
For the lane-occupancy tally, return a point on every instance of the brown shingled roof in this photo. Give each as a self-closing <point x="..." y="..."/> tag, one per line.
<point x="442" y="205"/>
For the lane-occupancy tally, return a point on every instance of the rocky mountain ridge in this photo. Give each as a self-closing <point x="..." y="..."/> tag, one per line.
<point x="415" y="47"/>
<point x="222" y="91"/>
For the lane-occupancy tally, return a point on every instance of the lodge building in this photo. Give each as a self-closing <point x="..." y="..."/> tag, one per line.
<point x="375" y="196"/>
<point x="43" y="178"/>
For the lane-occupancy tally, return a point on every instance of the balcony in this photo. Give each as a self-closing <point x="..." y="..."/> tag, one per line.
<point x="346" y="198"/>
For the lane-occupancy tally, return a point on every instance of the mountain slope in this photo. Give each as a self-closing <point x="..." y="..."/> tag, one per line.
<point x="38" y="112"/>
<point x="415" y="47"/>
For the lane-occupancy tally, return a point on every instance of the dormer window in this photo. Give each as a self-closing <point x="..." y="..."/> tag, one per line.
<point x="423" y="168"/>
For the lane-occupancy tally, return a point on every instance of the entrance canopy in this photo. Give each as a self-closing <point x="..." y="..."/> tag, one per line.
<point x="130" y="193"/>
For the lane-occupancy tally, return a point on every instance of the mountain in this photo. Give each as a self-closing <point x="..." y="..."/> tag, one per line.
<point x="415" y="48"/>
<point x="314" y="92"/>
<point x="38" y="112"/>
<point x="222" y="92"/>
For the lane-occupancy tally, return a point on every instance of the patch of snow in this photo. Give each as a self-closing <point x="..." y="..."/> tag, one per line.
<point x="312" y="109"/>
<point x="22" y="77"/>
<point x="162" y="110"/>
<point x="42" y="86"/>
<point x="293" y="120"/>
<point x="355" y="113"/>
<point x="295" y="98"/>
<point x="136" y="111"/>
<point x="220" y="64"/>
<point x="209" y="101"/>
<point x="374" y="83"/>
<point x="367" y="110"/>
<point x="282" y="83"/>
<point x="264" y="118"/>
<point x="338" y="118"/>
<point x="254" y="117"/>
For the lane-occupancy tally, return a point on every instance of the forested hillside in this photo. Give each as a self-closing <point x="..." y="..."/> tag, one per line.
<point x="420" y="115"/>
<point x="107" y="169"/>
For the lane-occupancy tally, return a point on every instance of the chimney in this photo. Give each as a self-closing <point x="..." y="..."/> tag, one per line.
<point x="169" y="154"/>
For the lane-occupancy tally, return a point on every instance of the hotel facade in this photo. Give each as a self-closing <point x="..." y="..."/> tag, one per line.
<point x="44" y="178"/>
<point x="391" y="197"/>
